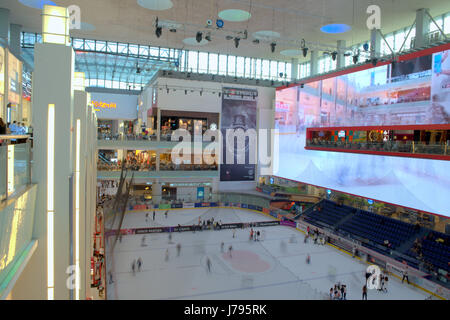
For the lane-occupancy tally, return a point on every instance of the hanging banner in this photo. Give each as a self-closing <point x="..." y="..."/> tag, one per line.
<point x="238" y="112"/>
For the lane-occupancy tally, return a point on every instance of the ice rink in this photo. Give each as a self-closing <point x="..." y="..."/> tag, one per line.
<point x="273" y="268"/>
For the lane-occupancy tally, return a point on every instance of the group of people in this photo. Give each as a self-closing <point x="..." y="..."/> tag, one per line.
<point x="136" y="265"/>
<point x="255" y="235"/>
<point x="339" y="292"/>
<point x="209" y="224"/>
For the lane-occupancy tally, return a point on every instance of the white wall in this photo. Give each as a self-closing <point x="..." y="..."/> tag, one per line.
<point x="209" y="102"/>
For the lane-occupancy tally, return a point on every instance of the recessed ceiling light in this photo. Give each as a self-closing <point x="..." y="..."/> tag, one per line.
<point x="335" y="28"/>
<point x="291" y="52"/>
<point x="193" y="42"/>
<point x="37" y="4"/>
<point x="234" y="15"/>
<point x="158" y="5"/>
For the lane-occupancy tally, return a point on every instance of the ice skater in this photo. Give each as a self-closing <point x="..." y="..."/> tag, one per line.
<point x="146" y="217"/>
<point x="170" y="237"/>
<point x="221" y="246"/>
<point x="111" y="281"/>
<point x="167" y="255"/>
<point x="308" y="259"/>
<point x="405" y="276"/>
<point x="133" y="267"/>
<point x="234" y="233"/>
<point x="153" y="215"/>
<point x="178" y="249"/>
<point x="230" y="248"/>
<point x="165" y="213"/>
<point x="143" y="244"/>
<point x="139" y="264"/>
<point x="120" y="238"/>
<point x="208" y="264"/>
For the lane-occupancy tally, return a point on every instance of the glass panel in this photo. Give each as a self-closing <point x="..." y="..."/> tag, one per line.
<point x="240" y="66"/>
<point x="288" y="70"/>
<point x="213" y="63"/>
<point x="222" y="64"/>
<point x="183" y="61"/>
<point x="258" y="68"/>
<point x="100" y="46"/>
<point x="248" y="68"/>
<point x="274" y="74"/>
<point x="399" y="38"/>
<point x="133" y="49"/>
<point x="265" y="69"/>
<point x="154" y="51"/>
<point x="447" y="24"/>
<point x="3" y="152"/>
<point x="203" y="62"/>
<point x="433" y="27"/>
<point x="192" y="61"/>
<point x="231" y="65"/>
<point x="21" y="153"/>
<point x="122" y="48"/>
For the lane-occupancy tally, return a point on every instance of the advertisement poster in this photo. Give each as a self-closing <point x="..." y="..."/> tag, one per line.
<point x="14" y="79"/>
<point x="420" y="95"/>
<point x="115" y="106"/>
<point x="2" y="71"/>
<point x="238" y="112"/>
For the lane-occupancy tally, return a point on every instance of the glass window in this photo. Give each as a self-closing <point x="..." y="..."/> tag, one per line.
<point x="183" y="61"/>
<point x="231" y="65"/>
<point x="240" y="66"/>
<point x="399" y="38"/>
<point x="213" y="57"/>
<point x="433" y="26"/>
<point x="248" y="68"/>
<point x="274" y="70"/>
<point x="265" y="69"/>
<point x="222" y="64"/>
<point x="154" y="51"/>
<point x="133" y="49"/>
<point x="258" y="68"/>
<point x="193" y="61"/>
<point x="447" y="24"/>
<point x="203" y="62"/>
<point x="122" y="47"/>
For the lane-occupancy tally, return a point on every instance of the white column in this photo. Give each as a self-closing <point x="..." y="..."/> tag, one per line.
<point x="422" y="28"/>
<point x="14" y="39"/>
<point x="314" y="63"/>
<point x="4" y="25"/>
<point x="52" y="84"/>
<point x="294" y="68"/>
<point x="340" y="61"/>
<point x="375" y="43"/>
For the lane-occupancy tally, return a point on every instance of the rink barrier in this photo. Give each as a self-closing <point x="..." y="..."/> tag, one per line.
<point x="394" y="267"/>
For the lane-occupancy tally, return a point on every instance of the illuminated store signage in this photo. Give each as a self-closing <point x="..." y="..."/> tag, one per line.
<point x="103" y="105"/>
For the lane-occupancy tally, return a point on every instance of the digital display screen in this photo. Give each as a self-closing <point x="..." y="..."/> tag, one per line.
<point x="371" y="98"/>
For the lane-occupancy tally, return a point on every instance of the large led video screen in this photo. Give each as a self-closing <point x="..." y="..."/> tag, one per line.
<point x="416" y="93"/>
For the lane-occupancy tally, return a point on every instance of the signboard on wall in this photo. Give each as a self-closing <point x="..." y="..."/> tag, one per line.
<point x="115" y="106"/>
<point x="238" y="112"/>
<point x="14" y="81"/>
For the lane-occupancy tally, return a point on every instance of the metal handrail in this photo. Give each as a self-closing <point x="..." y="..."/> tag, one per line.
<point x="14" y="136"/>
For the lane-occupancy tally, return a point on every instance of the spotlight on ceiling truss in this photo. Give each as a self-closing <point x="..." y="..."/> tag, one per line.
<point x="199" y="36"/>
<point x="272" y="46"/>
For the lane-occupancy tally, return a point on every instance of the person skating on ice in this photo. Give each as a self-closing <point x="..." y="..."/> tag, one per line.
<point x="178" y="249"/>
<point x="230" y="248"/>
<point x="167" y="255"/>
<point x="153" y="215"/>
<point x="208" y="264"/>
<point x="221" y="246"/>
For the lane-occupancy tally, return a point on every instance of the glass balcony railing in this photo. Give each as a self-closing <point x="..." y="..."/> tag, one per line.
<point x="127" y="137"/>
<point x="15" y="169"/>
<point x="411" y="147"/>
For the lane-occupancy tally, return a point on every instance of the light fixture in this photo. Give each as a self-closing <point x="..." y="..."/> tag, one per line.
<point x="236" y="42"/>
<point x="335" y="28"/>
<point x="374" y="62"/>
<point x="219" y="23"/>
<point x="334" y="55"/>
<point x="208" y="36"/>
<point x="198" y="37"/>
<point x="366" y="47"/>
<point x="185" y="91"/>
<point x="77" y="209"/>
<point x="50" y="201"/>
<point x="272" y="46"/>
<point x="55" y="25"/>
<point x="305" y="52"/>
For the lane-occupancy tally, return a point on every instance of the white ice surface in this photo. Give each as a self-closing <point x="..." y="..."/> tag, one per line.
<point x="186" y="276"/>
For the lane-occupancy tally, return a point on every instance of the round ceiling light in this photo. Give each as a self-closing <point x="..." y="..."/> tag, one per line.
<point x="266" y="35"/>
<point x="291" y="52"/>
<point x="36" y="4"/>
<point x="158" y="5"/>
<point x="335" y="28"/>
<point x="193" y="42"/>
<point x="234" y="15"/>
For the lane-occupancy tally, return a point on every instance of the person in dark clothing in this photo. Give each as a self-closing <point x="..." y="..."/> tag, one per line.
<point x="364" y="293"/>
<point x="2" y="126"/>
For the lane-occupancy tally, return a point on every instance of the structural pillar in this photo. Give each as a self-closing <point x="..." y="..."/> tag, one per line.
<point x="14" y="39"/>
<point x="314" y="63"/>
<point x="422" y="28"/>
<point x="294" y="68"/>
<point x="375" y="43"/>
<point x="4" y="25"/>
<point x="340" y="62"/>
